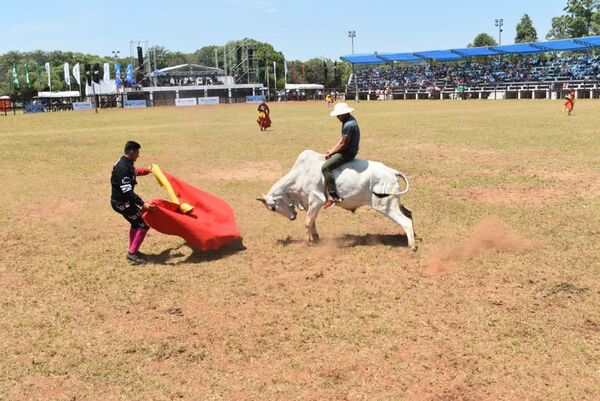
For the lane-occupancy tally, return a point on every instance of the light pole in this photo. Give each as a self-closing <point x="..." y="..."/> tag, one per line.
<point x="115" y="54"/>
<point x="499" y="25"/>
<point x="352" y="35"/>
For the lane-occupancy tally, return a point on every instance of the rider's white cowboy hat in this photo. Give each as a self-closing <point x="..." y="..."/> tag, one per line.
<point x="341" y="108"/>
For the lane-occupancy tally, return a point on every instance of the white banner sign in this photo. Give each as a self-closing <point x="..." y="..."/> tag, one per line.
<point x="67" y="74"/>
<point x="77" y="74"/>
<point x="186" y="101"/>
<point x="204" y="101"/>
<point x="106" y="76"/>
<point x="47" y="65"/>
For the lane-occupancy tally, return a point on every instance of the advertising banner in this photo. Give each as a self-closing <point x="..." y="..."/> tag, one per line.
<point x="134" y="104"/>
<point x="186" y="101"/>
<point x="255" y="99"/>
<point x="207" y="101"/>
<point x="82" y="105"/>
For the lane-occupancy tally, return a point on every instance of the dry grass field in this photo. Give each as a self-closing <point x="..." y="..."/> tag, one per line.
<point x="501" y="301"/>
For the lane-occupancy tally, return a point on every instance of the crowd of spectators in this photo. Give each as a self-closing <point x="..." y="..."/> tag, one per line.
<point x="487" y="72"/>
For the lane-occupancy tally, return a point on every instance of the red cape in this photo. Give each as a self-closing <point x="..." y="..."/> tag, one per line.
<point x="209" y="226"/>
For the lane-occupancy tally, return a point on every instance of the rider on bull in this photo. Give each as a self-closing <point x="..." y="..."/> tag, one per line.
<point x="343" y="152"/>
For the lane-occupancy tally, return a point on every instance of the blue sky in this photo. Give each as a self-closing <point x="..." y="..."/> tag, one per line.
<point x="300" y="29"/>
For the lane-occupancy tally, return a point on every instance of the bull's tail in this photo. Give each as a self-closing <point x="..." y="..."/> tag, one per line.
<point x="407" y="186"/>
<point x="385" y="194"/>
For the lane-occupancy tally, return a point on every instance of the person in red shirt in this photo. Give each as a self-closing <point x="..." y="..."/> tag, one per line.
<point x="570" y="103"/>
<point x="263" y="119"/>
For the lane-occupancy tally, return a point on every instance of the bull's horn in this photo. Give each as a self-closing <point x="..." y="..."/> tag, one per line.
<point x="261" y="199"/>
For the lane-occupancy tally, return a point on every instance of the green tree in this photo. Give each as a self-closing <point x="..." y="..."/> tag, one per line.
<point x="560" y="28"/>
<point x="264" y="56"/>
<point x="483" y="40"/>
<point x="526" y="32"/>
<point x="582" y="18"/>
<point x="162" y="57"/>
<point x="206" y="56"/>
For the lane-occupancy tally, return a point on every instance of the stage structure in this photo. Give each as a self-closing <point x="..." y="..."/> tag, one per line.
<point x="245" y="68"/>
<point x="180" y="84"/>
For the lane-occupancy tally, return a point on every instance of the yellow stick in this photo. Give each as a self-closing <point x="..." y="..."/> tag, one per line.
<point x="164" y="182"/>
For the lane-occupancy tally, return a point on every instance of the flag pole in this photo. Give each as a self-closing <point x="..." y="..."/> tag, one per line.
<point x="95" y="98"/>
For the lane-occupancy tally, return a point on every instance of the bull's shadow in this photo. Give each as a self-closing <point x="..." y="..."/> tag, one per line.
<point x="172" y="256"/>
<point x="351" y="240"/>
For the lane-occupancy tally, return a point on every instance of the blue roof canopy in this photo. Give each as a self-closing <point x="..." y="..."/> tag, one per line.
<point x="518" y="48"/>
<point x="591" y="41"/>
<point x="363" y="59"/>
<point x="440" y="55"/>
<point x="476" y="51"/>
<point x="562" y="45"/>
<point x="402" y="57"/>
<point x="577" y="44"/>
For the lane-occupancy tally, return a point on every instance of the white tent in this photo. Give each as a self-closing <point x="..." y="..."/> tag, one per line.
<point x="291" y="87"/>
<point x="60" y="94"/>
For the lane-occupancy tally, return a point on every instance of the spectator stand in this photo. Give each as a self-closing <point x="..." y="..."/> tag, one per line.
<point x="517" y="71"/>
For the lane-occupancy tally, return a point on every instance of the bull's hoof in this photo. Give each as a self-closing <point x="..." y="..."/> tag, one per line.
<point x="414" y="248"/>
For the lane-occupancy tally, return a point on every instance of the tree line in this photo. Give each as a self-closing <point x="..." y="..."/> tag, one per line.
<point x="581" y="18"/>
<point x="328" y="72"/>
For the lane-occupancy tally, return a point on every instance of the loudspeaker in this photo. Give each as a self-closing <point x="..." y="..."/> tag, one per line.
<point x="250" y="57"/>
<point x="140" y="55"/>
<point x="88" y="73"/>
<point x="96" y="73"/>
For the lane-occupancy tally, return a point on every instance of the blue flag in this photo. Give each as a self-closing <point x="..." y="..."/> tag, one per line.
<point x="129" y="74"/>
<point x="118" y="74"/>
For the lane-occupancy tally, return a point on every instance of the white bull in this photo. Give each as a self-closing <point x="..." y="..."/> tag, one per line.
<point x="359" y="183"/>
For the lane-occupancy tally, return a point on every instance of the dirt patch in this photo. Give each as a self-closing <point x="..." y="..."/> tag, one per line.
<point x="270" y="171"/>
<point x="490" y="235"/>
<point x="507" y="196"/>
<point x="457" y="153"/>
<point x="531" y="195"/>
<point x="564" y="287"/>
<point x="51" y="210"/>
<point x="570" y="184"/>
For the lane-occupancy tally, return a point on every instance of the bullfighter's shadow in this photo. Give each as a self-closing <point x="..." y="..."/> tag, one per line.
<point x="172" y="256"/>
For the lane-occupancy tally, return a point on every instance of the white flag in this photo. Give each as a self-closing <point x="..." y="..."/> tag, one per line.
<point x="285" y="71"/>
<point x="48" y="73"/>
<point x="67" y="74"/>
<point x="106" y="72"/>
<point x="77" y="74"/>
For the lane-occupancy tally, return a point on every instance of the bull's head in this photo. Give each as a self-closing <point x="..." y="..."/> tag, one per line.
<point x="280" y="204"/>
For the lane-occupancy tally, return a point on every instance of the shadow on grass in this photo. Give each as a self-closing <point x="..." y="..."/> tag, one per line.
<point x="351" y="241"/>
<point x="287" y="241"/>
<point x="172" y="256"/>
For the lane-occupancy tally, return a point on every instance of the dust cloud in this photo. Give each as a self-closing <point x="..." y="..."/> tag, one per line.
<point x="490" y="235"/>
